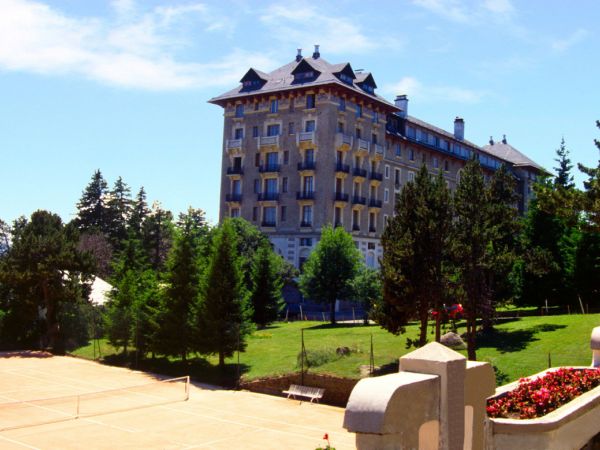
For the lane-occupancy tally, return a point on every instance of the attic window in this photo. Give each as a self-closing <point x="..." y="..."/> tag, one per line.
<point x="251" y="83"/>
<point x="304" y="75"/>
<point x="345" y="78"/>
<point x="368" y="88"/>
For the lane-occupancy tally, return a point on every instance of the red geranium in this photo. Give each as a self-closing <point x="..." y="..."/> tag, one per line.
<point x="537" y="397"/>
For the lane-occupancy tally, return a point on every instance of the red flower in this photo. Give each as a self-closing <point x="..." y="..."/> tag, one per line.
<point x="326" y="437"/>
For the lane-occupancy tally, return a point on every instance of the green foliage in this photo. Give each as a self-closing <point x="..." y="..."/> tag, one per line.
<point x="43" y="269"/>
<point x="119" y="208"/>
<point x="591" y="197"/>
<point x="224" y="313"/>
<point x="182" y="279"/>
<point x="266" y="299"/>
<point x="329" y="270"/>
<point x="157" y="236"/>
<point x="367" y="288"/>
<point x="92" y="210"/>
<point x="415" y="254"/>
<point x="564" y="178"/>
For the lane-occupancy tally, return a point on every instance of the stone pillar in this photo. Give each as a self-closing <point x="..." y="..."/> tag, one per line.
<point x="450" y="366"/>
<point x="595" y="346"/>
<point x="480" y="383"/>
<point x="394" y="412"/>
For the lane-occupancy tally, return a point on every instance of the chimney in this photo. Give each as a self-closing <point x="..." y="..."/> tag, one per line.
<point x="459" y="128"/>
<point x="504" y="139"/>
<point x="491" y="140"/>
<point x="402" y="103"/>
<point x="299" y="55"/>
<point x="316" y="53"/>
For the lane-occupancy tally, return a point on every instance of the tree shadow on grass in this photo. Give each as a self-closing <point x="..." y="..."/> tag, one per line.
<point x="330" y="326"/>
<point x="506" y="341"/>
<point x="199" y="369"/>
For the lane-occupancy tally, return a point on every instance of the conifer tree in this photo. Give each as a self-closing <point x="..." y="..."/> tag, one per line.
<point x="415" y="253"/>
<point x="182" y="279"/>
<point x="223" y="316"/>
<point x="139" y="213"/>
<point x="469" y="244"/>
<point x="92" y="211"/>
<point x="119" y="206"/>
<point x="591" y="198"/>
<point x="564" y="178"/>
<point x="266" y="298"/>
<point x="158" y="236"/>
<point x="329" y="270"/>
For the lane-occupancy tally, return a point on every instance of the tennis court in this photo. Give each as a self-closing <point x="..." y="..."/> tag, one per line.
<point x="54" y="402"/>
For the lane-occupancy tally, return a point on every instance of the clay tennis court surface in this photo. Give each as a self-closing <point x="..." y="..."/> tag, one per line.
<point x="211" y="418"/>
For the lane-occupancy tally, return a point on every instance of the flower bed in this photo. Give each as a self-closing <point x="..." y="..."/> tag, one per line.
<point x="537" y="397"/>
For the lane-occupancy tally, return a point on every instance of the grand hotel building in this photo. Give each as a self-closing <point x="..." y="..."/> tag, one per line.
<point x="311" y="144"/>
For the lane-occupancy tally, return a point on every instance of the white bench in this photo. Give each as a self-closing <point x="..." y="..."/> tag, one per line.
<point x="297" y="390"/>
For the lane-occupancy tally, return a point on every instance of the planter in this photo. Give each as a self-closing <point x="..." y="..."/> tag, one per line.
<point x="569" y="427"/>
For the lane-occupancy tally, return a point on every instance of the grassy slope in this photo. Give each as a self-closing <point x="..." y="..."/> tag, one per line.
<point x="518" y="348"/>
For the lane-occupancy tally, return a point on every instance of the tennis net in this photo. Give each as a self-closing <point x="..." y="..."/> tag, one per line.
<point x="27" y="413"/>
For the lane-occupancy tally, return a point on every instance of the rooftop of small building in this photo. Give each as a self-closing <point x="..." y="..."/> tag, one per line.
<point x="507" y="152"/>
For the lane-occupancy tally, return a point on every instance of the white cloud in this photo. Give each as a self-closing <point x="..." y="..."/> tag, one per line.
<point x="136" y="53"/>
<point x="463" y="11"/>
<point x="305" y="25"/>
<point x="416" y="90"/>
<point x="577" y="36"/>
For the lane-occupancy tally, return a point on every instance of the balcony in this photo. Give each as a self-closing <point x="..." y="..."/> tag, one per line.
<point x="357" y="200"/>
<point x="358" y="172"/>
<point x="305" y="224"/>
<point x="268" y="196"/>
<point x="233" y="145"/>
<point x="306" y="165"/>
<point x="343" y="141"/>
<point x="341" y="197"/>
<point x="235" y="171"/>
<point x="378" y="150"/>
<point x="343" y="168"/>
<point x="372" y="230"/>
<point x="305" y="195"/>
<point x="305" y="139"/>
<point x="267" y="168"/>
<point x="377" y="176"/>
<point x="374" y="203"/>
<point x="337" y="223"/>
<point x="355" y="227"/>
<point x="363" y="146"/>
<point x="267" y="142"/>
<point x="268" y="223"/>
<point x="233" y="197"/>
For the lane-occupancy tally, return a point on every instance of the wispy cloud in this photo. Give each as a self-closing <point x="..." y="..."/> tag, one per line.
<point x="136" y="51"/>
<point x="576" y="37"/>
<point x="468" y="12"/>
<point x="416" y="90"/>
<point x="305" y="25"/>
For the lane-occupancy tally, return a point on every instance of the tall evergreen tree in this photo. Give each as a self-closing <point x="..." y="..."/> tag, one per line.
<point x="158" y="236"/>
<point x="44" y="270"/>
<point x="469" y="243"/>
<point x="591" y="198"/>
<point x="119" y="206"/>
<point x="415" y="253"/>
<point x="139" y="213"/>
<point x="266" y="298"/>
<point x="182" y="279"/>
<point x="249" y="240"/>
<point x="224" y="313"/>
<point x="564" y="178"/>
<point x="92" y="211"/>
<point x="329" y="270"/>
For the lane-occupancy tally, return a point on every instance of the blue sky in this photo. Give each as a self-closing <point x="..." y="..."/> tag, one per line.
<point x="122" y="86"/>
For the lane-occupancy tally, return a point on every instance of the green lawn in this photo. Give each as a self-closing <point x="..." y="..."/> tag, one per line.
<point x="518" y="348"/>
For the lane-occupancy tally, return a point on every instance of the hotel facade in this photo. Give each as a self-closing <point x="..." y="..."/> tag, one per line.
<point x="311" y="144"/>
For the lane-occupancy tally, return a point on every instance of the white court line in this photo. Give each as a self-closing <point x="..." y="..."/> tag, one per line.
<point x="23" y="444"/>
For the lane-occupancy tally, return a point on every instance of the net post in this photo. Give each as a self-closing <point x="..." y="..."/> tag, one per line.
<point x="187" y="388"/>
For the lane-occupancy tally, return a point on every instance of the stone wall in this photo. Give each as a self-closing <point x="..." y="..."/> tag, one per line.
<point x="337" y="390"/>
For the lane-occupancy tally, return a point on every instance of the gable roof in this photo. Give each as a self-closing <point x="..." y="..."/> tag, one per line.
<point x="282" y="79"/>
<point x="509" y="153"/>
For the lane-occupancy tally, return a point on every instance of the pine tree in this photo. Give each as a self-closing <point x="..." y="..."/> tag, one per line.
<point x="224" y="314"/>
<point x="119" y="206"/>
<point x="182" y="280"/>
<point x="139" y="213"/>
<point x="329" y="270"/>
<point x="92" y="211"/>
<point x="44" y="269"/>
<point x="415" y="252"/>
<point x="249" y="240"/>
<point x="158" y="236"/>
<point x="563" y="178"/>
<point x="469" y="244"/>
<point x="591" y="197"/>
<point x="266" y="299"/>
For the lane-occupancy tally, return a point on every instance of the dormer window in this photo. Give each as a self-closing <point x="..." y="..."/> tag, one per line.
<point x="304" y="76"/>
<point x="251" y="83"/>
<point x="345" y="78"/>
<point x="368" y="88"/>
